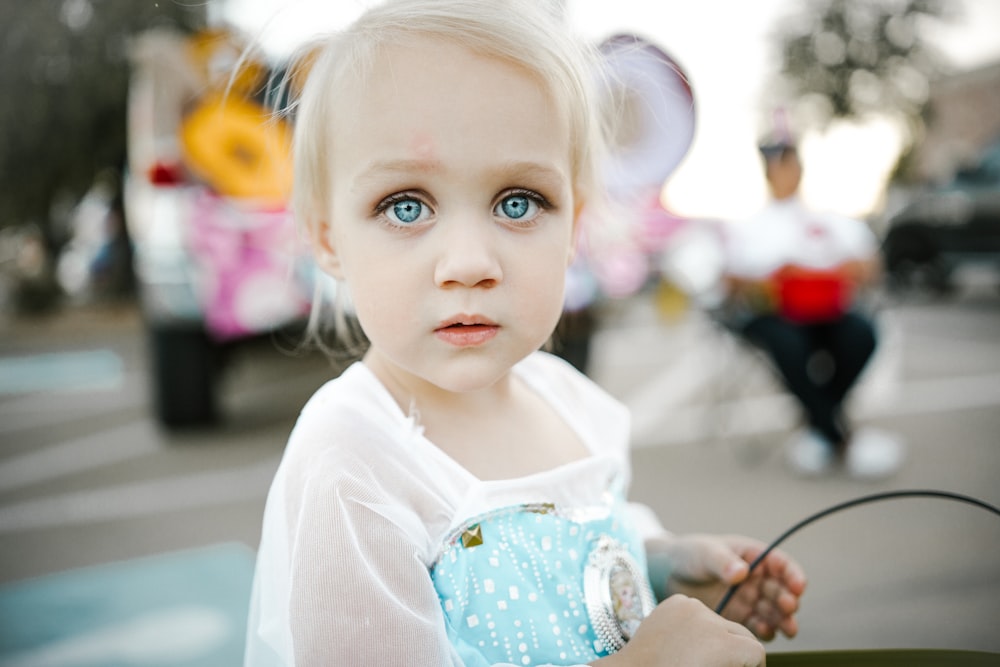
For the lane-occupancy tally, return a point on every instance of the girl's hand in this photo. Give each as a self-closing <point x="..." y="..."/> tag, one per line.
<point x="682" y="631"/>
<point x="705" y="566"/>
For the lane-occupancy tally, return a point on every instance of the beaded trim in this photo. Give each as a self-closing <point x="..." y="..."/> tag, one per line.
<point x="616" y="593"/>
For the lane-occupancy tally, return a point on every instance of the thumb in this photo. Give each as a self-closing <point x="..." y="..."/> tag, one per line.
<point x="725" y="564"/>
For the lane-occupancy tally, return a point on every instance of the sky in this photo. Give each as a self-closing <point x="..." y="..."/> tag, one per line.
<point x="728" y="62"/>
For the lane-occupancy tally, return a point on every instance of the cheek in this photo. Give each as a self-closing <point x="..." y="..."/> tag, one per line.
<point x="545" y="276"/>
<point x="373" y="286"/>
<point x="384" y="293"/>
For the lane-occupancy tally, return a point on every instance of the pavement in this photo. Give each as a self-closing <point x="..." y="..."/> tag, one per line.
<point x="903" y="573"/>
<point x="119" y="533"/>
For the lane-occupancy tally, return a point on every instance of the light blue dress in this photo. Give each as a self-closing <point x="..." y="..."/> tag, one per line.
<point x="539" y="584"/>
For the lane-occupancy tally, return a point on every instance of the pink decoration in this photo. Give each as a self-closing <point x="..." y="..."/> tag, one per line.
<point x="246" y="260"/>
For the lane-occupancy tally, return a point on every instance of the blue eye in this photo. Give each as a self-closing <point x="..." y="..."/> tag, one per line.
<point x="518" y="207"/>
<point x="407" y="211"/>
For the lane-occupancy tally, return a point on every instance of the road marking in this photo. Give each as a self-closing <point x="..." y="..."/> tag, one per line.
<point x="61" y="371"/>
<point x="141" y="499"/>
<point x="941" y="395"/>
<point x="778" y="412"/>
<point x="755" y="415"/>
<point x="22" y="413"/>
<point x="172" y="636"/>
<point x="79" y="455"/>
<point x="186" y="607"/>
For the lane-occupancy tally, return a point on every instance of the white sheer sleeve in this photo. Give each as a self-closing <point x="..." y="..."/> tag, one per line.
<point x="348" y="583"/>
<point x="646" y="522"/>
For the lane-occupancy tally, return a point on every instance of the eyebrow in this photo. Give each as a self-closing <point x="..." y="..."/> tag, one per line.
<point x="515" y="169"/>
<point x="380" y="167"/>
<point x="551" y="174"/>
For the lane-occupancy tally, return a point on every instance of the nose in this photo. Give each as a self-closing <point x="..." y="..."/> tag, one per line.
<point x="468" y="256"/>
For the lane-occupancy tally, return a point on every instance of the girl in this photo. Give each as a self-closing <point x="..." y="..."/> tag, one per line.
<point x="458" y="497"/>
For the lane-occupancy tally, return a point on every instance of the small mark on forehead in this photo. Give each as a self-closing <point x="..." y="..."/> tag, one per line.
<point x="422" y="147"/>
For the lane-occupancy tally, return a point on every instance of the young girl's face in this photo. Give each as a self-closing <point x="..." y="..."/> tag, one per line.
<point x="452" y="214"/>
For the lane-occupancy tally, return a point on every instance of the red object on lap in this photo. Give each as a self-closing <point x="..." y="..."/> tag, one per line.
<point x="812" y="295"/>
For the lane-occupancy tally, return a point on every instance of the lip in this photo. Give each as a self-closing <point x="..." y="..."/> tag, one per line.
<point x="467" y="330"/>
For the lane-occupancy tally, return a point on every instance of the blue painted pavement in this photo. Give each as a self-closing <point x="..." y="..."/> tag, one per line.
<point x="185" y="608"/>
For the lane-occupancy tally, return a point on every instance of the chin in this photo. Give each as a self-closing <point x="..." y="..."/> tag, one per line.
<point x="473" y="373"/>
<point x="470" y="380"/>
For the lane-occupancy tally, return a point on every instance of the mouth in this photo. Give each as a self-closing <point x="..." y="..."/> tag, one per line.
<point x="460" y="322"/>
<point x="467" y="330"/>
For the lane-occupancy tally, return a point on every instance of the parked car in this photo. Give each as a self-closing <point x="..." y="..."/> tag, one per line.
<point x="217" y="258"/>
<point x="946" y="227"/>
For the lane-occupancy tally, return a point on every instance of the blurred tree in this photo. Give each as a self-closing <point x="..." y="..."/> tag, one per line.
<point x="63" y="90"/>
<point x="850" y="59"/>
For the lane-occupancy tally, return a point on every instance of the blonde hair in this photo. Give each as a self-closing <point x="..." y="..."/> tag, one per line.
<point x="531" y="34"/>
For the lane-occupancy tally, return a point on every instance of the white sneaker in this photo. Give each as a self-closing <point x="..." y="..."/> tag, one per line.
<point x="873" y="454"/>
<point x="810" y="454"/>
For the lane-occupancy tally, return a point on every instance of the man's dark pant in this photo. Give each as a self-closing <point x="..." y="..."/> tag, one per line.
<point x="847" y="344"/>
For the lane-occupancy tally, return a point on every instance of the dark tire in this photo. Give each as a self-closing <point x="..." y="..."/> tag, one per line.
<point x="930" y="277"/>
<point x="572" y="338"/>
<point x="185" y="371"/>
<point x="914" y="265"/>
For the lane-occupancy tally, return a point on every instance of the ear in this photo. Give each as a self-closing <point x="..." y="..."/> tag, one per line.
<point x="324" y="249"/>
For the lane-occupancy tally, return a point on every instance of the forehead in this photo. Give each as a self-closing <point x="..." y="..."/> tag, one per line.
<point x="413" y="68"/>
<point x="423" y="91"/>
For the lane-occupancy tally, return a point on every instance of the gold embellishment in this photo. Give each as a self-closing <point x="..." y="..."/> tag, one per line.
<point x="541" y="508"/>
<point x="469" y="533"/>
<point x="472" y="536"/>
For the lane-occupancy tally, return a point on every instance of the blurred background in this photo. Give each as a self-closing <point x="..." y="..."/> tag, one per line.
<point x="153" y="292"/>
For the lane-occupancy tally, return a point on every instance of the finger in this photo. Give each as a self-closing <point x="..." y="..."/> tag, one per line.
<point x="783" y="568"/>
<point x="766" y="613"/>
<point x="723" y="560"/>
<point x="789" y="626"/>
<point x="795" y="578"/>
<point x="761" y="628"/>
<point x="771" y="589"/>
<point x="755" y="592"/>
<point x="777" y="564"/>
<point x="738" y="609"/>
<point x="780" y="596"/>
<point x="742" y="603"/>
<point x="785" y="600"/>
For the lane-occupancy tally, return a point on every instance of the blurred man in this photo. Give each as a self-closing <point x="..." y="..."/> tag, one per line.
<point x="793" y="275"/>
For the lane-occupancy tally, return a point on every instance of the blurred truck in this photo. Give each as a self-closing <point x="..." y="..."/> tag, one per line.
<point x="217" y="257"/>
<point x="946" y="227"/>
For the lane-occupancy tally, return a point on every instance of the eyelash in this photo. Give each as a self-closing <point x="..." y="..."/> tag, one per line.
<point x="379" y="212"/>
<point x="543" y="204"/>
